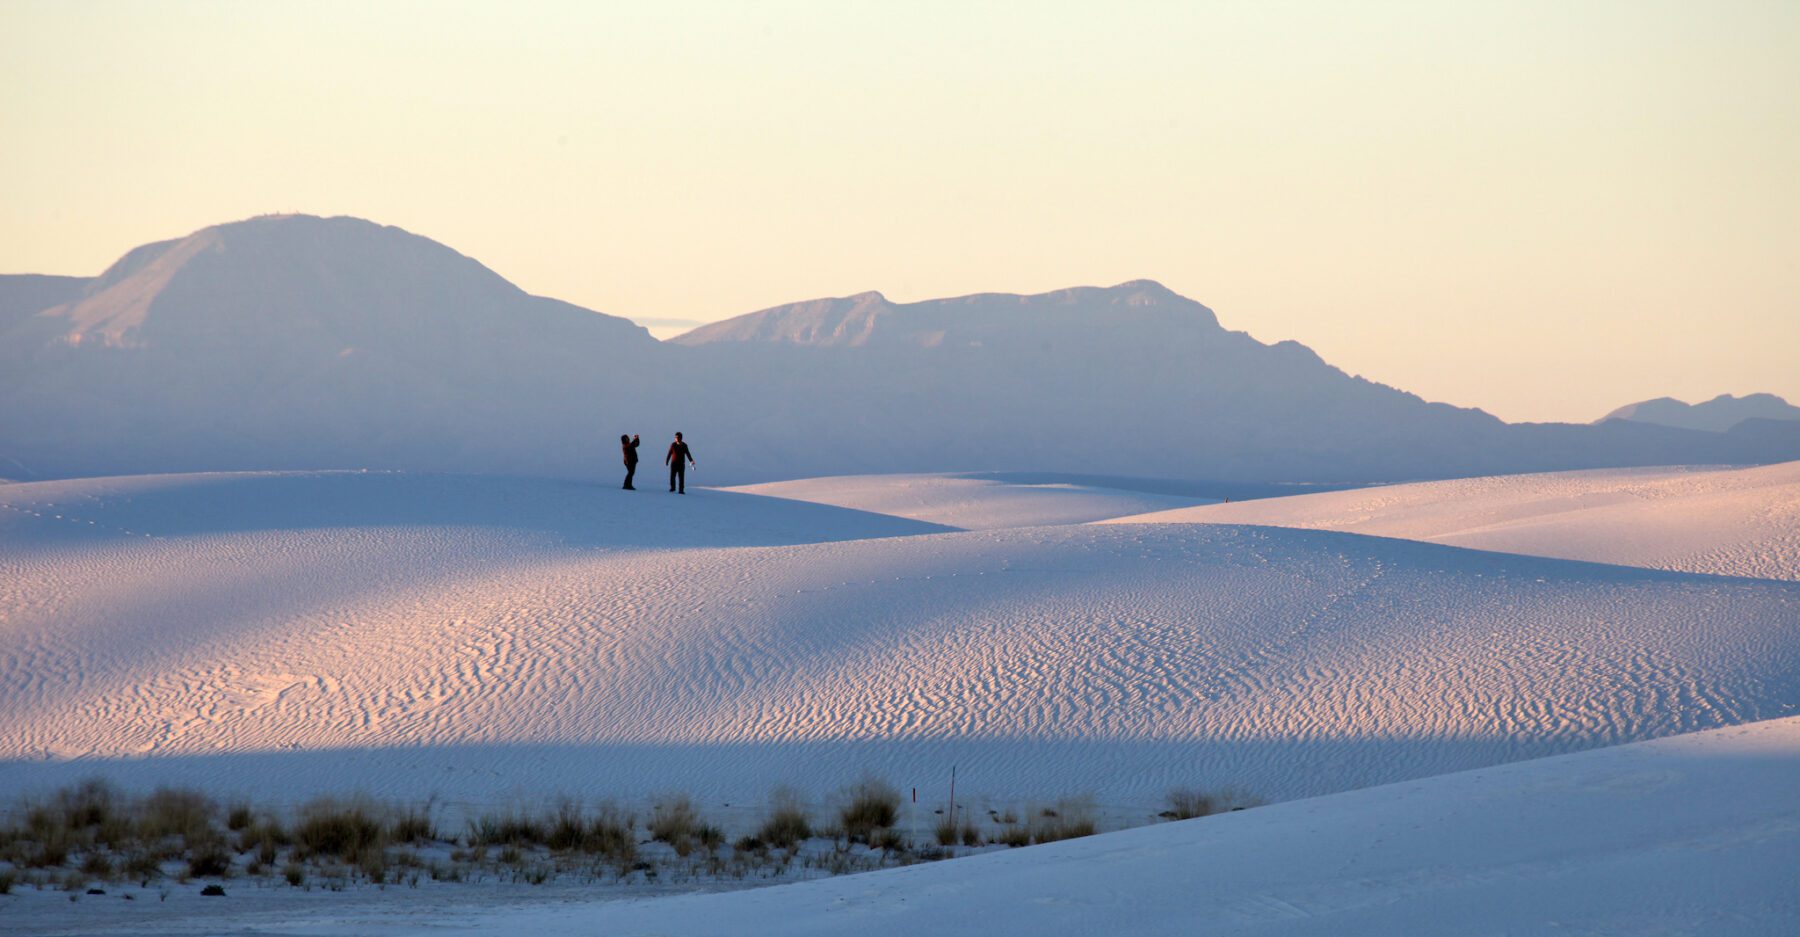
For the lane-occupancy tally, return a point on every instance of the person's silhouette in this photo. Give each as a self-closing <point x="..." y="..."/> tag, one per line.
<point x="629" y="446"/>
<point x="678" y="459"/>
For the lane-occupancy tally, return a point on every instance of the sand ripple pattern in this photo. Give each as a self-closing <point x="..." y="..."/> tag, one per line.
<point x="1112" y="659"/>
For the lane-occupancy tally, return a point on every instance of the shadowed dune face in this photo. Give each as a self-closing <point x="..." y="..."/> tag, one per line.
<point x="429" y="649"/>
<point x="560" y="513"/>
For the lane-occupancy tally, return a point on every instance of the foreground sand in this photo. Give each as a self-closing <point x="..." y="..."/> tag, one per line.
<point x="1691" y="835"/>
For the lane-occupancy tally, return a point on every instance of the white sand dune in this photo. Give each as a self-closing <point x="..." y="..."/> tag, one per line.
<point x="483" y="638"/>
<point x="1690" y="835"/>
<point x="1727" y="521"/>
<point x="971" y="503"/>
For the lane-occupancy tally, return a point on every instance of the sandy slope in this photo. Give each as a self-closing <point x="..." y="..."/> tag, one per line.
<point x="971" y="503"/>
<point x="483" y="638"/>
<point x="1730" y="521"/>
<point x="1690" y="835"/>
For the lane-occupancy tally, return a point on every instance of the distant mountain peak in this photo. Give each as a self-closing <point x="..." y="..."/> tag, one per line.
<point x="273" y="279"/>
<point x="977" y="319"/>
<point x="1717" y="415"/>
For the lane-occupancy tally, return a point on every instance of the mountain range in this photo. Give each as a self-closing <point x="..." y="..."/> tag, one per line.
<point x="303" y="342"/>
<point x="1716" y="415"/>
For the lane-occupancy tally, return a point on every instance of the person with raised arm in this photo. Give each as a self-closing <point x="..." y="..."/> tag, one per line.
<point x="629" y="446"/>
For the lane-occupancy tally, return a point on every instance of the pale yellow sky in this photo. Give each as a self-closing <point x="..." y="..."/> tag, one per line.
<point x="1541" y="209"/>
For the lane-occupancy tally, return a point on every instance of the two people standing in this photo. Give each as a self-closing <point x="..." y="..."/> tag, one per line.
<point x="678" y="459"/>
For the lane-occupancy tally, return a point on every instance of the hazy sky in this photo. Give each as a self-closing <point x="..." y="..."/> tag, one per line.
<point x="1544" y="210"/>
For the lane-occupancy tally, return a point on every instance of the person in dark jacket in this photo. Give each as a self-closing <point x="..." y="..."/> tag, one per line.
<point x="628" y="445"/>
<point x="678" y="459"/>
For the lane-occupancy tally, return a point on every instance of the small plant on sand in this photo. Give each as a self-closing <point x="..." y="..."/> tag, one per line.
<point x="209" y="862"/>
<point x="509" y="828"/>
<point x="412" y="824"/>
<point x="786" y="825"/>
<point x="1067" y="820"/>
<point x="172" y="812"/>
<point x="566" y="827"/>
<point x="142" y="867"/>
<point x="345" y="830"/>
<point x="1186" y="803"/>
<point x="611" y="832"/>
<point x="872" y="804"/>
<point x="238" y="816"/>
<point x="674" y="820"/>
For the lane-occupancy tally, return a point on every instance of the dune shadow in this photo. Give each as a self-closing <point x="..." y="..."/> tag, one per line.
<point x="573" y="513"/>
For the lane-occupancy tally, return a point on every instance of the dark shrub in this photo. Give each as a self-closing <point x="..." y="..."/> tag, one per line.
<point x="675" y="821"/>
<point x="239" y="816"/>
<point x="346" y="830"/>
<point x="786" y="825"/>
<point x="143" y="868"/>
<point x="872" y="805"/>
<point x="209" y="862"/>
<point x="1186" y="803"/>
<point x="96" y="865"/>
<point x="888" y="839"/>
<point x="511" y="828"/>
<point x="413" y="824"/>
<point x="174" y="812"/>
<point x="566" y="828"/>
<point x="1068" y="820"/>
<point x="91" y="803"/>
<point x="612" y="832"/>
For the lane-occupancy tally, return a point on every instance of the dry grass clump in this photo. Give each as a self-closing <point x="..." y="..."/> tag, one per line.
<point x="607" y="831"/>
<point x="507" y="828"/>
<point x="612" y="832"/>
<point x="173" y="812"/>
<point x="1187" y="803"/>
<point x="1069" y="819"/>
<point x="347" y="830"/>
<point x="674" y="820"/>
<point x="209" y="862"/>
<point x="412" y="824"/>
<point x="786" y="825"/>
<point x="872" y="804"/>
<point x="1014" y="835"/>
<point x="92" y="832"/>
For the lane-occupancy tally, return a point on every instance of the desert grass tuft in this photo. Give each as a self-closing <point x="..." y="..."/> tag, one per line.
<point x="787" y="825"/>
<point x="872" y="804"/>
<point x="339" y="829"/>
<point x="675" y="821"/>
